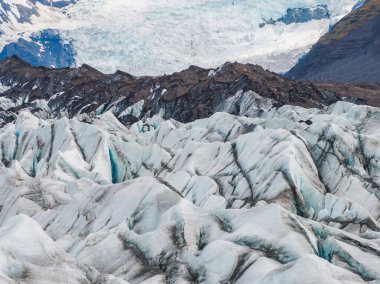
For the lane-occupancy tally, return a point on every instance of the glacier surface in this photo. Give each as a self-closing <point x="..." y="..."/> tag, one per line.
<point x="271" y="195"/>
<point x="153" y="37"/>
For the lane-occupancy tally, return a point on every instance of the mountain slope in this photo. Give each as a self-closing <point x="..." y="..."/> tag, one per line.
<point x="155" y="37"/>
<point x="349" y="53"/>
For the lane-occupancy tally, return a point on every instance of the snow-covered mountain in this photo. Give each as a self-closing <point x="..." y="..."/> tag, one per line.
<point x="154" y="37"/>
<point x="100" y="184"/>
<point x="25" y="30"/>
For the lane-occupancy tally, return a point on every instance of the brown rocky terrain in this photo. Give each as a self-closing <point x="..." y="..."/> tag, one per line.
<point x="185" y="96"/>
<point x="369" y="93"/>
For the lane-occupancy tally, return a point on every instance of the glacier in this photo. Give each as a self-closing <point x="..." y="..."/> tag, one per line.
<point x="160" y="37"/>
<point x="268" y="195"/>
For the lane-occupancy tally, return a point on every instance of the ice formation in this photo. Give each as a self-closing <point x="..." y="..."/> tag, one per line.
<point x="150" y="37"/>
<point x="280" y="195"/>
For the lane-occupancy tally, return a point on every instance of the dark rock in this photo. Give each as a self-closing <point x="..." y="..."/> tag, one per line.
<point x="349" y="53"/>
<point x="185" y="96"/>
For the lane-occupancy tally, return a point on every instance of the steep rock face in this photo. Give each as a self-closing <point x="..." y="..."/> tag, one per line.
<point x="185" y="96"/>
<point x="288" y="195"/>
<point x="349" y="53"/>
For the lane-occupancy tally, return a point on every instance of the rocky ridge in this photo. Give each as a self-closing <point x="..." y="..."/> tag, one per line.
<point x="185" y="96"/>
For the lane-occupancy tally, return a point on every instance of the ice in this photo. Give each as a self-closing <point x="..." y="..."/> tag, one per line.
<point x="155" y="37"/>
<point x="262" y="198"/>
<point x="311" y="267"/>
<point x="182" y="29"/>
<point x="28" y="254"/>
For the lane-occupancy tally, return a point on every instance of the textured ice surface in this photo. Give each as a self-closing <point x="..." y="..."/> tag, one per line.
<point x="29" y="255"/>
<point x="155" y="37"/>
<point x="287" y="195"/>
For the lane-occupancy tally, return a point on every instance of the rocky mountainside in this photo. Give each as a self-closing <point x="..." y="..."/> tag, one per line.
<point x="349" y="53"/>
<point x="185" y="96"/>
<point x="153" y="37"/>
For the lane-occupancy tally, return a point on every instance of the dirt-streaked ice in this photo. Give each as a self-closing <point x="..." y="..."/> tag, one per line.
<point x="288" y="195"/>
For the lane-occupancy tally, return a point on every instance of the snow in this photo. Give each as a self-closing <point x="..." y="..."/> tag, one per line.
<point x="3" y="88"/>
<point x="155" y="37"/>
<point x="203" y="33"/>
<point x="26" y="17"/>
